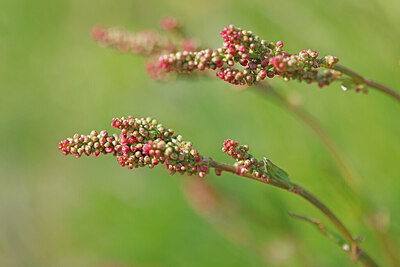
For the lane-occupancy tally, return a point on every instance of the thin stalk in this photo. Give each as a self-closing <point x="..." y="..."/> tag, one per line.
<point x="362" y="256"/>
<point x="358" y="79"/>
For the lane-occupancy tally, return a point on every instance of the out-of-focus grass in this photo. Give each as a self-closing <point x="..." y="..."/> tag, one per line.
<point x="55" y="81"/>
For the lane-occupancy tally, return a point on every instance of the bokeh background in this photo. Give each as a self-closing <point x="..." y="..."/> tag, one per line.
<point x="55" y="81"/>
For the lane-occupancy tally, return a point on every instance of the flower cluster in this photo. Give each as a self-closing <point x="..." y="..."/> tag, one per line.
<point x="149" y="43"/>
<point x="245" y="162"/>
<point x="142" y="142"/>
<point x="143" y="43"/>
<point x="258" y="59"/>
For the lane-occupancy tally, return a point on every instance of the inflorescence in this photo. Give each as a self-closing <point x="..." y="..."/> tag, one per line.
<point x="245" y="162"/>
<point x="259" y="59"/>
<point x="142" y="142"/>
<point x="145" y="142"/>
<point x="144" y="43"/>
<point x="148" y="43"/>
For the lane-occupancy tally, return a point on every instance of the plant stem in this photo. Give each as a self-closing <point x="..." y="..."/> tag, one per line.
<point x="363" y="257"/>
<point x="324" y="209"/>
<point x="358" y="79"/>
<point x="313" y="200"/>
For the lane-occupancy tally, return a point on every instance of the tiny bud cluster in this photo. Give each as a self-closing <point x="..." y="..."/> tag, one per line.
<point x="145" y="43"/>
<point x="257" y="58"/>
<point x="142" y="43"/>
<point x="142" y="142"/>
<point x="245" y="162"/>
<point x="149" y="43"/>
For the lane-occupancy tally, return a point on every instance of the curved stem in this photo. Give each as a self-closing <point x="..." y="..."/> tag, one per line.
<point x="328" y="213"/>
<point x="357" y="78"/>
<point x="313" y="200"/>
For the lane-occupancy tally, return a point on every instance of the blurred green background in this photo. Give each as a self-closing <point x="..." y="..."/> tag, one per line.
<point x="55" y="81"/>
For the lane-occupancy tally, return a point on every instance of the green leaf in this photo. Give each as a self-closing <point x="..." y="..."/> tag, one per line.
<point x="275" y="171"/>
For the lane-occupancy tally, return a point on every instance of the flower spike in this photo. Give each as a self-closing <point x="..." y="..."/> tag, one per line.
<point x="245" y="58"/>
<point x="142" y="142"/>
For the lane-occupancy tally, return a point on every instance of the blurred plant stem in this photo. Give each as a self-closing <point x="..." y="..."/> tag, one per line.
<point x="360" y="80"/>
<point x="347" y="173"/>
<point x="356" y="252"/>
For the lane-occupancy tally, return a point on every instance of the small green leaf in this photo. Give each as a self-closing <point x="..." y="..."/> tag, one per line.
<point x="275" y="171"/>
